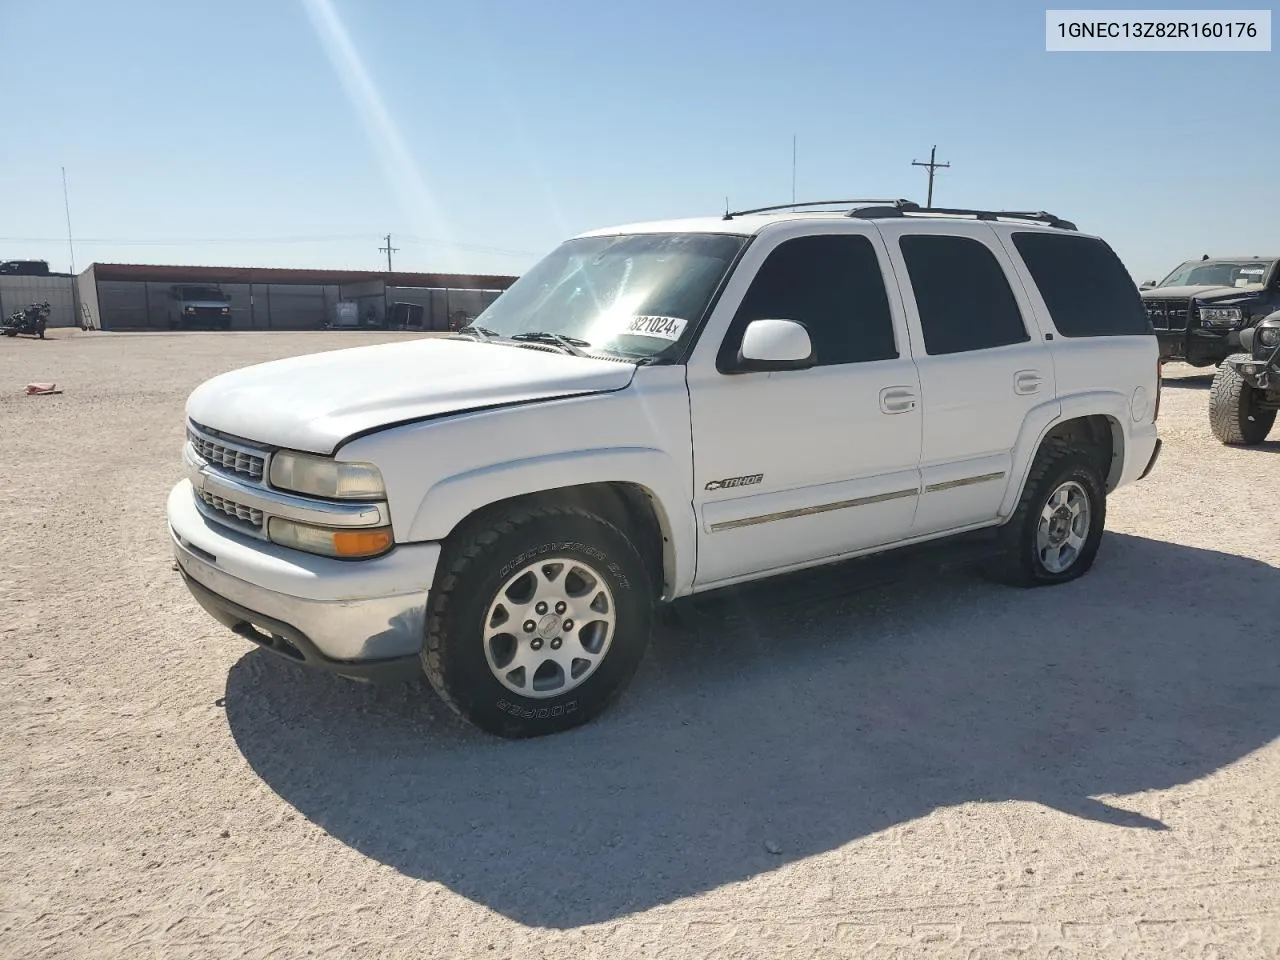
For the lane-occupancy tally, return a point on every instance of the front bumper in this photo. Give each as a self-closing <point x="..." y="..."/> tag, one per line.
<point x="1259" y="374"/>
<point x="358" y="618"/>
<point x="1199" y="346"/>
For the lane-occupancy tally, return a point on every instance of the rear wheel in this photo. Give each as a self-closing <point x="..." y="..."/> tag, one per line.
<point x="1235" y="416"/>
<point x="1054" y="534"/>
<point x="537" y="620"/>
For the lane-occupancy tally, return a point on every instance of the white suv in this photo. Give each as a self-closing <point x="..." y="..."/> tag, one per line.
<point x="662" y="409"/>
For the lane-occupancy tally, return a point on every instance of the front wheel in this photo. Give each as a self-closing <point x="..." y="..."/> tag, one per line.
<point x="537" y="620"/>
<point x="1234" y="414"/>
<point x="1054" y="534"/>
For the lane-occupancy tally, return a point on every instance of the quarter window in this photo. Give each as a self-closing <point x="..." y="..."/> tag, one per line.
<point x="1086" y="288"/>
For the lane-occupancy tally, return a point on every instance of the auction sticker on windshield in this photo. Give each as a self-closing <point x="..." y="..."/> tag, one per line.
<point x="664" y="328"/>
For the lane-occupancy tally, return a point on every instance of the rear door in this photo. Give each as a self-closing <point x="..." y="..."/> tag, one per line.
<point x="983" y="364"/>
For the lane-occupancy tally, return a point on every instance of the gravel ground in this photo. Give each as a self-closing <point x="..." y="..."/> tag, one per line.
<point x="931" y="766"/>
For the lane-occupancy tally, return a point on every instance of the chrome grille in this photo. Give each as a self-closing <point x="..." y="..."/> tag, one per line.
<point x="236" y="511"/>
<point x="1168" y="314"/>
<point x="228" y="457"/>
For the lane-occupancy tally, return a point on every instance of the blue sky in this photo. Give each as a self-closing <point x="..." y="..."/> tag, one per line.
<point x="480" y="133"/>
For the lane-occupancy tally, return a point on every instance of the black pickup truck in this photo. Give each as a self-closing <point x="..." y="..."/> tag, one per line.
<point x="1200" y="308"/>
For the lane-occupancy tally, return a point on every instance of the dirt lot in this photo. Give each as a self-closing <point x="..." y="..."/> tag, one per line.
<point x="933" y="767"/>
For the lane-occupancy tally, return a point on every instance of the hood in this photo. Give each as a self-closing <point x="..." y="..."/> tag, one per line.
<point x="314" y="402"/>
<point x="219" y="304"/>
<point x="1200" y="292"/>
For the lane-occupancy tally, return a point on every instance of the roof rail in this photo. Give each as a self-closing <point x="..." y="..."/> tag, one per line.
<point x="903" y="208"/>
<point x="807" y="203"/>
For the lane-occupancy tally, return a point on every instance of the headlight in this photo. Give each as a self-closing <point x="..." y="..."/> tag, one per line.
<point x="1269" y="336"/>
<point x="188" y="309"/>
<point x="1220" y="316"/>
<point x="323" y="477"/>
<point x="345" y="544"/>
<point x="226" y="309"/>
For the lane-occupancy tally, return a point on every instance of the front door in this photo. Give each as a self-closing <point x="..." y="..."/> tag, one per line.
<point x="799" y="465"/>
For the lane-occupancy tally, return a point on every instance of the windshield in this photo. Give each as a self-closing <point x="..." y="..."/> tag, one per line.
<point x="633" y="294"/>
<point x="1218" y="273"/>
<point x="203" y="293"/>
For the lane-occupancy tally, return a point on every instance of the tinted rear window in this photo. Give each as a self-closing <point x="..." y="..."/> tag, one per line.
<point x="1088" y="291"/>
<point x="962" y="294"/>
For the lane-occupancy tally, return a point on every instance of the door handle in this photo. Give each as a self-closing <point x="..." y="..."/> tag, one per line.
<point x="1026" y="382"/>
<point x="897" y="400"/>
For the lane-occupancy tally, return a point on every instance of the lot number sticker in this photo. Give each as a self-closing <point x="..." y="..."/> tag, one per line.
<point x="663" y="328"/>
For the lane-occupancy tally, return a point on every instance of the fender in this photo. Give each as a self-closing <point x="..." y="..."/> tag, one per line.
<point x="451" y="499"/>
<point x="1041" y="421"/>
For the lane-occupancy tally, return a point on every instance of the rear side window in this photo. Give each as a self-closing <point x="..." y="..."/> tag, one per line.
<point x="962" y="294"/>
<point x="1088" y="291"/>
<point x="833" y="285"/>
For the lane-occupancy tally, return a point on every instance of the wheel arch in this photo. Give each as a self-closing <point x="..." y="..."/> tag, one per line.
<point x="632" y="488"/>
<point x="1095" y="420"/>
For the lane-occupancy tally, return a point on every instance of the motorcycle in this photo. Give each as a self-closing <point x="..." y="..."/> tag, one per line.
<point x="30" y="320"/>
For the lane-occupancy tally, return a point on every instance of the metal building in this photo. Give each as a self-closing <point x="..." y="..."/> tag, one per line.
<point x="16" y="292"/>
<point x="120" y="296"/>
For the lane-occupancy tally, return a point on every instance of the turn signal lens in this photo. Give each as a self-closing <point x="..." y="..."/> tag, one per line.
<point x="346" y="544"/>
<point x="361" y="543"/>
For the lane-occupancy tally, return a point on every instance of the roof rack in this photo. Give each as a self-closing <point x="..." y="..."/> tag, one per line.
<point x="901" y="208"/>
<point x="810" y="203"/>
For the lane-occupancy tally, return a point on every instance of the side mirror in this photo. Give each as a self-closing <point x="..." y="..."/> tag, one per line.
<point x="1148" y="285"/>
<point x="1246" y="339"/>
<point x="775" y="345"/>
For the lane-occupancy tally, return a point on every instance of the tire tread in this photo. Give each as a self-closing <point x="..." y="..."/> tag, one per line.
<point x="1227" y="404"/>
<point x="468" y="549"/>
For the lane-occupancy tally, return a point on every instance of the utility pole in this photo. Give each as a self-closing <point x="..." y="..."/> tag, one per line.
<point x="388" y="250"/>
<point x="932" y="165"/>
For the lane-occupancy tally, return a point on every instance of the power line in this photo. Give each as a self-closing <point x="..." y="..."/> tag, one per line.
<point x="933" y="165"/>
<point x="194" y="241"/>
<point x="388" y="250"/>
<point x="333" y="238"/>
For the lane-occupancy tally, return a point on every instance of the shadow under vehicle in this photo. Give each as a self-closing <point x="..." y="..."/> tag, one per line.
<point x="806" y="714"/>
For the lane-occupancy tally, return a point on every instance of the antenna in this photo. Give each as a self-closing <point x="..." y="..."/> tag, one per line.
<point x="793" y="168"/>
<point x="67" y="205"/>
<point x="933" y="165"/>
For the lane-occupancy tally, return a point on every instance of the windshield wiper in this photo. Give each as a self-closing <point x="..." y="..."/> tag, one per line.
<point x="480" y="333"/>
<point x="569" y="344"/>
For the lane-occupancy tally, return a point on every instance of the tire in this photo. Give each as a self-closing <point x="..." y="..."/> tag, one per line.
<point x="481" y="586"/>
<point x="1022" y="558"/>
<point x="1234" y="416"/>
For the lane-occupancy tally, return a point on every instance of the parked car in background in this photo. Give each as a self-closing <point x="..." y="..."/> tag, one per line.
<point x="194" y="306"/>
<point x="659" y="410"/>
<point x="1200" y="308"/>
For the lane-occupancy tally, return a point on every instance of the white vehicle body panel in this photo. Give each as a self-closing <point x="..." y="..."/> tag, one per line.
<point x="314" y="402"/>
<point x="837" y="472"/>
<point x="439" y="472"/>
<point x="975" y="403"/>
